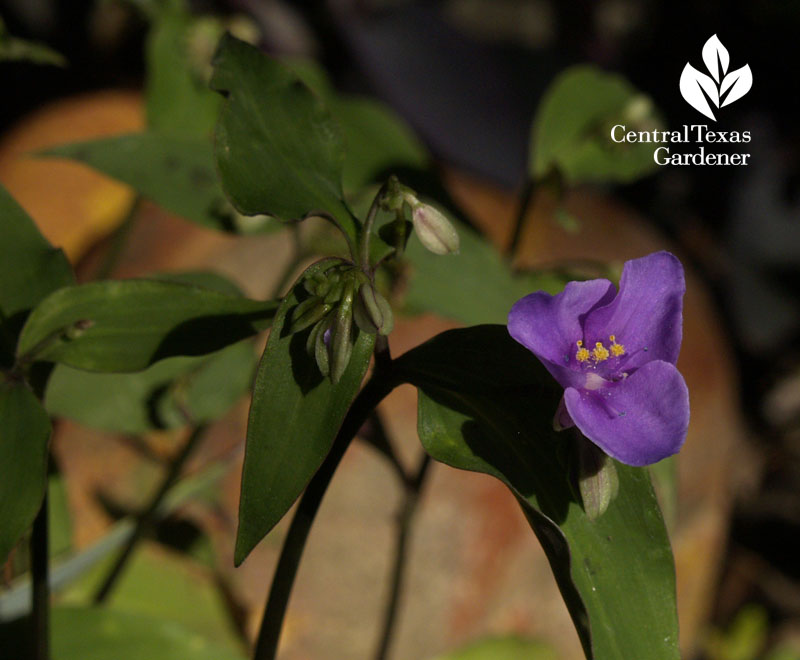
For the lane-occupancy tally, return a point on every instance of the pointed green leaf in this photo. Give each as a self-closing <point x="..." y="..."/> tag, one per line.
<point x="486" y="405"/>
<point x="24" y="435"/>
<point x="169" y="394"/>
<point x="377" y="140"/>
<point x="277" y="148"/>
<point x="294" y="418"/>
<point x="127" y="325"/>
<point x="30" y="267"/>
<point x="572" y="129"/>
<point x="175" y="172"/>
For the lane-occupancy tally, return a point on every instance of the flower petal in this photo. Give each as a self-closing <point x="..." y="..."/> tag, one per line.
<point x="647" y="315"/>
<point x="639" y="420"/>
<point x="549" y="325"/>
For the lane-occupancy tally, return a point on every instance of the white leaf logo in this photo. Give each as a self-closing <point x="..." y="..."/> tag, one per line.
<point x="720" y="88"/>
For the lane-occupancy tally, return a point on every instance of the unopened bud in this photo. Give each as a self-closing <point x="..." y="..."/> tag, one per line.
<point x="372" y="312"/>
<point x="335" y="292"/>
<point x="307" y="313"/>
<point x="321" y="340"/>
<point x="598" y="481"/>
<point x="341" y="343"/>
<point x="435" y="231"/>
<point x="317" y="285"/>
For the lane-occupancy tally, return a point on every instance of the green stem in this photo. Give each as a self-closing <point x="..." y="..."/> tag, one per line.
<point x="147" y="518"/>
<point x="381" y="383"/>
<point x="40" y="618"/>
<point x="413" y="488"/>
<point x="525" y="198"/>
<point x="367" y="230"/>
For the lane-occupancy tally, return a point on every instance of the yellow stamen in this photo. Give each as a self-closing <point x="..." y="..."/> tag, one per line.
<point x="616" y="349"/>
<point x="600" y="352"/>
<point x="583" y="353"/>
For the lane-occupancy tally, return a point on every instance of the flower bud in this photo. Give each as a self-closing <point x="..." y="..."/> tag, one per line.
<point x="435" y="231"/>
<point x="598" y="481"/>
<point x="307" y="313"/>
<point x="321" y="334"/>
<point x="372" y="312"/>
<point x="341" y="341"/>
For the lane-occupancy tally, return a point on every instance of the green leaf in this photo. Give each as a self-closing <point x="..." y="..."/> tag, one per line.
<point x="294" y="418"/>
<point x="277" y="148"/>
<point x="376" y="138"/>
<point x="486" y="405"/>
<point x="377" y="141"/>
<point x="171" y="586"/>
<point x="572" y="129"/>
<point x="175" y="172"/>
<point x="503" y="648"/>
<point x="30" y="267"/>
<point x="178" y="100"/>
<point x="100" y="634"/>
<point x="474" y="286"/>
<point x="127" y="325"/>
<point x="169" y="394"/>
<point x="24" y="435"/>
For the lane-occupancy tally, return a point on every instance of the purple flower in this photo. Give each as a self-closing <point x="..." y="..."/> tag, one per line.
<point x="615" y="355"/>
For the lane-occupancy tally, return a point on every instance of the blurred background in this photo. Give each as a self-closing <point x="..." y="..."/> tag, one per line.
<point x="467" y="77"/>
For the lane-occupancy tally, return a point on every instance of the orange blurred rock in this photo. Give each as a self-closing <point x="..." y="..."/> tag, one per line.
<point x="72" y="205"/>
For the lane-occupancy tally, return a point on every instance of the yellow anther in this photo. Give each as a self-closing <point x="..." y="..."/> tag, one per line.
<point x="600" y="352"/>
<point x="579" y="343"/>
<point x="616" y="349"/>
<point x="583" y="353"/>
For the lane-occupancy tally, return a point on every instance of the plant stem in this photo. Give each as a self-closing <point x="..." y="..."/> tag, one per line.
<point x="413" y="487"/>
<point x="40" y="555"/>
<point x="368" y="224"/>
<point x="148" y="516"/>
<point x="380" y="384"/>
<point x="525" y="198"/>
<point x="379" y="440"/>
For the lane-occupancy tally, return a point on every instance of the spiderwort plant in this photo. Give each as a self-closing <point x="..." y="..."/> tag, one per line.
<point x="614" y="353"/>
<point x="280" y="153"/>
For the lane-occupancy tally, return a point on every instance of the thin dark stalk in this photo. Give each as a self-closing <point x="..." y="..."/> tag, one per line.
<point x="377" y="437"/>
<point x="525" y="199"/>
<point x="40" y="618"/>
<point x="412" y="492"/>
<point x="147" y="518"/>
<point x="373" y="393"/>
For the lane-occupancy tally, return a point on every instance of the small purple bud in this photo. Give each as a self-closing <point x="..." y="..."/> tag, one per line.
<point x="435" y="231"/>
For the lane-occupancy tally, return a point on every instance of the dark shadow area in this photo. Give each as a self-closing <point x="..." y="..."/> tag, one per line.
<point x="210" y="333"/>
